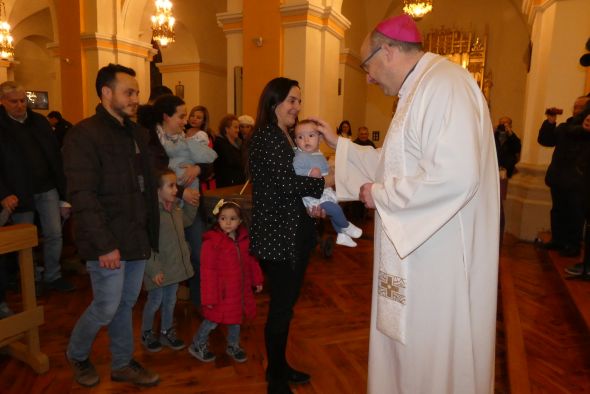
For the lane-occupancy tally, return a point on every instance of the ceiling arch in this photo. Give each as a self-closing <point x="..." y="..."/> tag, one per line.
<point x="35" y="25"/>
<point x="135" y="19"/>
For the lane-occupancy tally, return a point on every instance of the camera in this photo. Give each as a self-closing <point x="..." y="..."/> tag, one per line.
<point x="501" y="128"/>
<point x="553" y="111"/>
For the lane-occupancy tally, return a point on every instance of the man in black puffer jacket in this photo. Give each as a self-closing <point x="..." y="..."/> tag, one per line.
<point x="112" y="189"/>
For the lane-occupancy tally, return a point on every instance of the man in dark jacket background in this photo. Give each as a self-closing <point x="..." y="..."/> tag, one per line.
<point x="60" y="126"/>
<point x="363" y="137"/>
<point x="565" y="178"/>
<point x="508" y="146"/>
<point x="31" y="176"/>
<point x="112" y="189"/>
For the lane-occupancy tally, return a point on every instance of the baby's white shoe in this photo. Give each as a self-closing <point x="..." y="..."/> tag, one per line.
<point x="352" y="231"/>
<point x="345" y="240"/>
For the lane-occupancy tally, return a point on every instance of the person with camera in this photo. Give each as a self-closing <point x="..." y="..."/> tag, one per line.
<point x="565" y="178"/>
<point x="507" y="146"/>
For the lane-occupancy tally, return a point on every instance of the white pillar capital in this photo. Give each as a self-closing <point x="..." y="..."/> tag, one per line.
<point x="230" y="22"/>
<point x="113" y="43"/>
<point x="314" y="16"/>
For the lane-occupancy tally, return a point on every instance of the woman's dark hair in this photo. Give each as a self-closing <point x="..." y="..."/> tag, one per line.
<point x="274" y="93"/>
<point x="205" y="111"/>
<point x="166" y="104"/>
<point x="107" y="76"/>
<point x="339" y="129"/>
<point x="161" y="173"/>
<point x="226" y="121"/>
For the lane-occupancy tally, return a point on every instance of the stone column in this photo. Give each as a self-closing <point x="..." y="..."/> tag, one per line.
<point x="294" y="39"/>
<point x="559" y="32"/>
<point x="232" y="24"/>
<point x="100" y="49"/>
<point x="68" y="53"/>
<point x="313" y="36"/>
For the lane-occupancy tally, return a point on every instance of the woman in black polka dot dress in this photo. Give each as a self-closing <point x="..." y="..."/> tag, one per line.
<point x="282" y="233"/>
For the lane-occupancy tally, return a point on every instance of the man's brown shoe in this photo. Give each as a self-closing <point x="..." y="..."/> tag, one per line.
<point x="84" y="372"/>
<point x="136" y="374"/>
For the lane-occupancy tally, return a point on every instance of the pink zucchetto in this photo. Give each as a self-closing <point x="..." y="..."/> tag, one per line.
<point x="400" y="28"/>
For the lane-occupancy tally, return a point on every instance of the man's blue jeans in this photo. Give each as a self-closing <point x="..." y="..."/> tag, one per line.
<point x="47" y="206"/>
<point x="115" y="293"/>
<point x="160" y="296"/>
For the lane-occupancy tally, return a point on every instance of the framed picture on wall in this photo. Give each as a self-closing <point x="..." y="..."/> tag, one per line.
<point x="179" y="90"/>
<point x="37" y="99"/>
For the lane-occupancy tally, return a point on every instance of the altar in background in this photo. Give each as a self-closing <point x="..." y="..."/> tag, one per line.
<point x="463" y="48"/>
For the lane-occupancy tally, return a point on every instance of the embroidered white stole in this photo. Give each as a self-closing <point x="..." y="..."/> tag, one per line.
<point x="393" y="271"/>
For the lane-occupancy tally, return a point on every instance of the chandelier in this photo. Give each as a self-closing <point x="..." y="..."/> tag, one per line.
<point x="163" y="23"/>
<point x="417" y="8"/>
<point x="6" y="47"/>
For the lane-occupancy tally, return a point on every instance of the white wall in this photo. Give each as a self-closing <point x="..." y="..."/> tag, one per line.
<point x="36" y="69"/>
<point x="556" y="78"/>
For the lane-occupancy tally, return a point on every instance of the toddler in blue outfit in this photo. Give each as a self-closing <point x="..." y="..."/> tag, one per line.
<point x="308" y="158"/>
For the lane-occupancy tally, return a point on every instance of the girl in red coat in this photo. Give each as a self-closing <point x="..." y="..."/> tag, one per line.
<point x="228" y="274"/>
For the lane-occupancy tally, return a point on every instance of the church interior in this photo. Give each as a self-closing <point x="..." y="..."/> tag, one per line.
<point x="523" y="54"/>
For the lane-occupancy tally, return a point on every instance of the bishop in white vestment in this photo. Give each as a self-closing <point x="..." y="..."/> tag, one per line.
<point x="434" y="185"/>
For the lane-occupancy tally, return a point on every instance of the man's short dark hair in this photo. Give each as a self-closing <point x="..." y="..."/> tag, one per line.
<point x="108" y="75"/>
<point x="55" y="115"/>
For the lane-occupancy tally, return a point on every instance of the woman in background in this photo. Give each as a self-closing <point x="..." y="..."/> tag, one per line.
<point x="229" y="169"/>
<point x="198" y="129"/>
<point x="344" y="130"/>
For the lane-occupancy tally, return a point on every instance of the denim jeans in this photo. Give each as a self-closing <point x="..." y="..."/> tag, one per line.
<point x="115" y="293"/>
<point x="193" y="235"/>
<point x="47" y="206"/>
<point x="160" y="296"/>
<point x="202" y="335"/>
<point x="336" y="215"/>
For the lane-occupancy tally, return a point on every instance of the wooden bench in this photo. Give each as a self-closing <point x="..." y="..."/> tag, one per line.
<point x="20" y="332"/>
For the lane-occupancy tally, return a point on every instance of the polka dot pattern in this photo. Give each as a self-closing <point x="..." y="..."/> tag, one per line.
<point x="277" y="209"/>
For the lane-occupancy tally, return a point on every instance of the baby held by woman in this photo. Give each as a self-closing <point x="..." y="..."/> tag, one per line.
<point x="308" y="158"/>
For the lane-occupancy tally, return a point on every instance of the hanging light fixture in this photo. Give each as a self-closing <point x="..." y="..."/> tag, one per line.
<point x="6" y="46"/>
<point x="163" y="23"/>
<point x="417" y="8"/>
